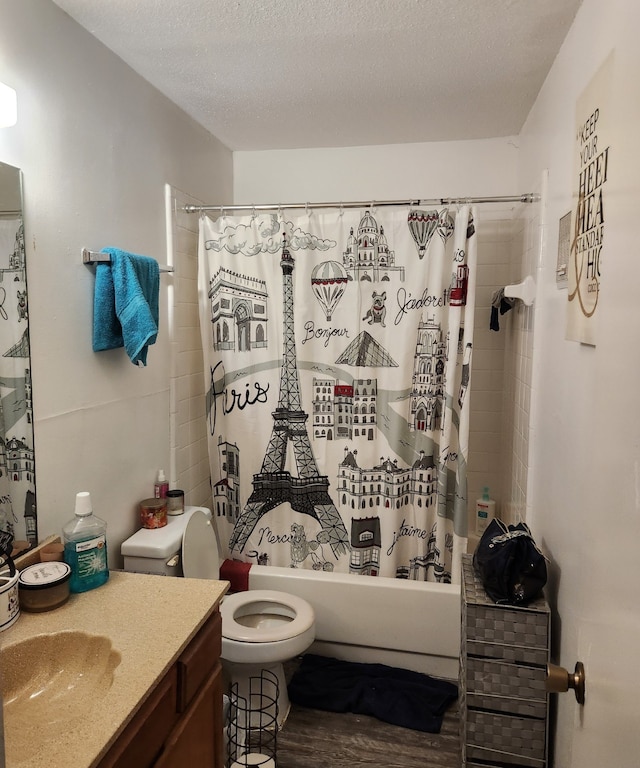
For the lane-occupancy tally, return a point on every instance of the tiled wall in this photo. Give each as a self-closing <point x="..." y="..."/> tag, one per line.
<point x="518" y="365"/>
<point x="509" y="244"/>
<point x="501" y="379"/>
<point x="517" y="390"/>
<point x="189" y="458"/>
<point x="486" y="431"/>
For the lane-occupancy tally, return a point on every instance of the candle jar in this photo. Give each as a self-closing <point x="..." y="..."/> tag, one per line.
<point x="153" y="513"/>
<point x="175" y="502"/>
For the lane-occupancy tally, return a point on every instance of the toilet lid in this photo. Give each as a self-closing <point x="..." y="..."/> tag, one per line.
<point x="200" y="549"/>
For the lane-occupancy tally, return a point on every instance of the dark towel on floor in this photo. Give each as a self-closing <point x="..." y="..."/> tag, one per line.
<point x="397" y="696"/>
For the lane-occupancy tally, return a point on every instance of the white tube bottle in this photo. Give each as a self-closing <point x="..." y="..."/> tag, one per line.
<point x="485" y="511"/>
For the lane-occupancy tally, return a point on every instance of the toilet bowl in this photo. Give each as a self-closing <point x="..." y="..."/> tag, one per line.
<point x="261" y="629"/>
<point x="262" y="624"/>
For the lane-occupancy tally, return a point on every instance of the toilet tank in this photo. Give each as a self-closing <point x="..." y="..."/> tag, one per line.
<point x="158" y="550"/>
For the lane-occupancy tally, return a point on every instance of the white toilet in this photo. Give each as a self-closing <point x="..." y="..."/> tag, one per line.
<point x="261" y="629"/>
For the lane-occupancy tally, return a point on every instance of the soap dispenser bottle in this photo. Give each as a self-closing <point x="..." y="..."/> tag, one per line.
<point x="485" y="511"/>
<point x="85" y="546"/>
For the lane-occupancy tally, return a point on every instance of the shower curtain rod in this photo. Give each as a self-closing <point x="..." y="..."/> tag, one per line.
<point x="526" y="198"/>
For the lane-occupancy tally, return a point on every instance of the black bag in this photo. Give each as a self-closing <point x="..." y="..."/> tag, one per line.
<point x="509" y="564"/>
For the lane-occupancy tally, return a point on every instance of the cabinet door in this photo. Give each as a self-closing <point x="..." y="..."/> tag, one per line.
<point x="142" y="740"/>
<point x="196" y="739"/>
<point x="199" y="660"/>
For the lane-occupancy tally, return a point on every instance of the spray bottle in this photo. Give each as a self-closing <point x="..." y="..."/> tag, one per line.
<point x="161" y="486"/>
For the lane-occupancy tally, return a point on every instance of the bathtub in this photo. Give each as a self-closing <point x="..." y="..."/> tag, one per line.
<point x="408" y="624"/>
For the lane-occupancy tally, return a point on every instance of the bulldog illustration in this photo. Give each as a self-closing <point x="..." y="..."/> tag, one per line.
<point x="378" y="311"/>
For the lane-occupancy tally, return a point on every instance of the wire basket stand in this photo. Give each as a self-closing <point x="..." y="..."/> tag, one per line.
<point x="253" y="722"/>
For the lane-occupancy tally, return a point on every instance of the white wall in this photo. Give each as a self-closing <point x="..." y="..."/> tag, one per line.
<point x="96" y="144"/>
<point x="401" y="171"/>
<point x="586" y="412"/>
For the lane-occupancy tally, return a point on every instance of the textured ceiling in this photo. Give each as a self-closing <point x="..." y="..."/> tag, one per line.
<point x="284" y="74"/>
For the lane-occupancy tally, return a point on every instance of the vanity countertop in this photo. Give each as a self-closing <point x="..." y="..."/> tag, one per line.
<point x="150" y="621"/>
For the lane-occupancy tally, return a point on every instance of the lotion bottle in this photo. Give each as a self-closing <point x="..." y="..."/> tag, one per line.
<point x="161" y="486"/>
<point x="485" y="511"/>
<point x="85" y="547"/>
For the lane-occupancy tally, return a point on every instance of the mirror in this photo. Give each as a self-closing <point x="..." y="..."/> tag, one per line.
<point x="18" y="521"/>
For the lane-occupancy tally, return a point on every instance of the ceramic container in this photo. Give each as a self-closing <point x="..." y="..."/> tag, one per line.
<point x="9" y="602"/>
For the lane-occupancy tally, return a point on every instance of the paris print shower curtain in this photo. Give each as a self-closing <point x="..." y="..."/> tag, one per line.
<point x="337" y="353"/>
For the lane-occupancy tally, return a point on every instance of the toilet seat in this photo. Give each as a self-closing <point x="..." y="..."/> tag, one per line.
<point x="265" y="602"/>
<point x="200" y="558"/>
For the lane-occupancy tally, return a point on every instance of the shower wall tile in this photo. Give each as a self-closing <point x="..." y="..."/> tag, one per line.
<point x="189" y="458"/>
<point x="487" y="401"/>
<point x="499" y="396"/>
<point x="487" y="393"/>
<point x="518" y="366"/>
<point x="508" y="250"/>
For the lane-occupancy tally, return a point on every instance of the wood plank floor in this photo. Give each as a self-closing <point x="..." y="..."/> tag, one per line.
<point x="314" y="739"/>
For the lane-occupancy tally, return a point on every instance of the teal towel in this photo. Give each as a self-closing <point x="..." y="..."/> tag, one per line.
<point x="125" y="305"/>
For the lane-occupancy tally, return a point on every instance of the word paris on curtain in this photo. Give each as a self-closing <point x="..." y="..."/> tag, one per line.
<point x="337" y="361"/>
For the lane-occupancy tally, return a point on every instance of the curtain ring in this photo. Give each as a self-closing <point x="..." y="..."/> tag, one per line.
<point x="253" y="211"/>
<point x="306" y="208"/>
<point x="280" y="214"/>
<point x="341" y="209"/>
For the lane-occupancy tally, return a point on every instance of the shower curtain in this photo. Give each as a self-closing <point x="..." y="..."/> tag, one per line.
<point x="337" y="352"/>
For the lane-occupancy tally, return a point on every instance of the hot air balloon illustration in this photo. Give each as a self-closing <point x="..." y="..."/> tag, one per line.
<point x="422" y="225"/>
<point x="328" y="281"/>
<point x="446" y="224"/>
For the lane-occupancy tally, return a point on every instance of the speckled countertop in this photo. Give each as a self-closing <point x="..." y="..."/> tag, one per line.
<point x="150" y="620"/>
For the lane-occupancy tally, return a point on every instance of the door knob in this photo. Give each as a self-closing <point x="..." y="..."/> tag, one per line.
<point x="559" y="680"/>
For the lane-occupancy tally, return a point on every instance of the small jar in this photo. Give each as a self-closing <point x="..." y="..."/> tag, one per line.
<point x="44" y="586"/>
<point x="153" y="513"/>
<point x="175" y="502"/>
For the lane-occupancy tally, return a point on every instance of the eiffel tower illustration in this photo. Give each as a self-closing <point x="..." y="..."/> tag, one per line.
<point x="274" y="485"/>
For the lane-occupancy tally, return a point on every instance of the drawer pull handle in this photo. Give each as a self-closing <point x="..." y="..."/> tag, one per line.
<point x="559" y="680"/>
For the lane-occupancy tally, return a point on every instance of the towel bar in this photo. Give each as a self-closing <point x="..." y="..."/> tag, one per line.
<point x="95" y="257"/>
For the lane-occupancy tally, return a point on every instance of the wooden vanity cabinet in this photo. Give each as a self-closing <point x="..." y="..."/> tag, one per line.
<point x="180" y="723"/>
